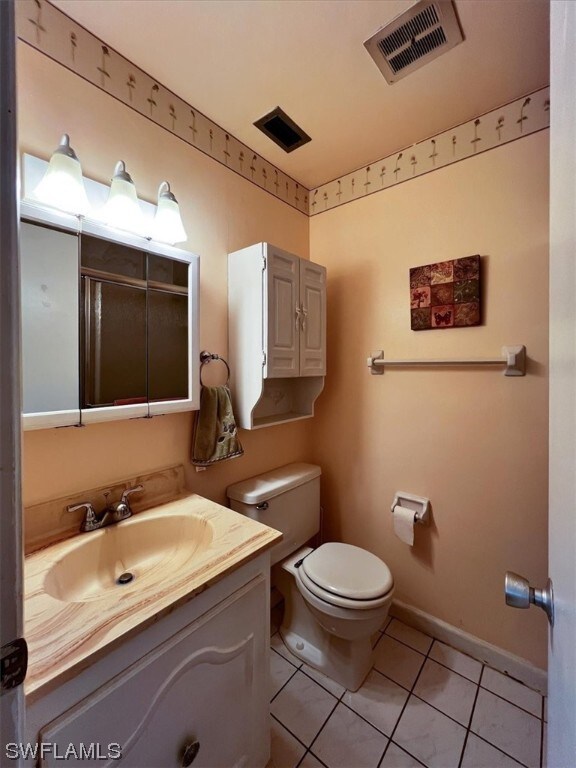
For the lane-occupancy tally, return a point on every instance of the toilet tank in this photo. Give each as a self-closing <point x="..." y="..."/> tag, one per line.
<point x="287" y="498"/>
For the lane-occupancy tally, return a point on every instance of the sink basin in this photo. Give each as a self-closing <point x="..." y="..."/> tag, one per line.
<point x="140" y="550"/>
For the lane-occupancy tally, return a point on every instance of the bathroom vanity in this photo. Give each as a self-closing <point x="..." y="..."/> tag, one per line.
<point x="170" y="669"/>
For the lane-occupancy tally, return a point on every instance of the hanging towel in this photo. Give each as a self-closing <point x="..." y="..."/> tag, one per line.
<point x="215" y="436"/>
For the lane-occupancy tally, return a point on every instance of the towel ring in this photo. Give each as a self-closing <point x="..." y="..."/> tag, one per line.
<point x="207" y="357"/>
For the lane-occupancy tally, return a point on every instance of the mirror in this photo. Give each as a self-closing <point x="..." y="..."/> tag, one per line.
<point x="50" y="333"/>
<point x="110" y="324"/>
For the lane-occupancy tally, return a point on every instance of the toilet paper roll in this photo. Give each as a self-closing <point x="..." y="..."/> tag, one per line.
<point x="404" y="524"/>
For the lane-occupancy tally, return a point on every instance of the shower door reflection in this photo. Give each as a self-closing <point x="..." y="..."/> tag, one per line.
<point x="135" y="326"/>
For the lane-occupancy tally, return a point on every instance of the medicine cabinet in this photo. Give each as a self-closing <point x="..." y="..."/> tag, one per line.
<point x="109" y="323"/>
<point x="277" y="334"/>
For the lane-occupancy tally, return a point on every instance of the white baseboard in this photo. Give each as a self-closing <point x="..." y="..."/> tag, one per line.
<point x="495" y="657"/>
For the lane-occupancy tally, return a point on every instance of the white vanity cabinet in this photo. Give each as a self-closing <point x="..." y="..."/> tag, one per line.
<point x="277" y="334"/>
<point x="199" y="697"/>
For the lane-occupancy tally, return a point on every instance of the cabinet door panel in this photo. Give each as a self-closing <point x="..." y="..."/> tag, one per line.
<point x="282" y="300"/>
<point x="207" y="684"/>
<point x="313" y="333"/>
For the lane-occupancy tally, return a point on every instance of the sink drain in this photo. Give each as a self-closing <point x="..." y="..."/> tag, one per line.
<point x="125" y="578"/>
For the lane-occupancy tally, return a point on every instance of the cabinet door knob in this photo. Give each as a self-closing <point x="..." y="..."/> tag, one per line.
<point x="190" y="752"/>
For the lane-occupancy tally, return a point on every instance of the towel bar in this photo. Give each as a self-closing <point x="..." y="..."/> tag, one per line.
<point x="513" y="359"/>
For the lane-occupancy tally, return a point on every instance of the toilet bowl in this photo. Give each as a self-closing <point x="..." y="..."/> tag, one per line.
<point x="330" y="624"/>
<point x="336" y="596"/>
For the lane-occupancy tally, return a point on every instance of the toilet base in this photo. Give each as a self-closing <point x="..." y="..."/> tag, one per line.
<point x="347" y="663"/>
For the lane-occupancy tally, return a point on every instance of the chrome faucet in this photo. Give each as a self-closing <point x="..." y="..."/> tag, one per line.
<point x="113" y="513"/>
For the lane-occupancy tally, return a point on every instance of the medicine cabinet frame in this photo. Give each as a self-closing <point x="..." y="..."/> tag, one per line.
<point x="76" y="225"/>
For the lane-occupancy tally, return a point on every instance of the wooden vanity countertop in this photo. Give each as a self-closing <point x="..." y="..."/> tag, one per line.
<point x="66" y="636"/>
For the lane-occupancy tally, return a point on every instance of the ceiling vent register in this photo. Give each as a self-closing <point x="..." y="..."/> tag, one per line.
<point x="279" y="127"/>
<point x="421" y="34"/>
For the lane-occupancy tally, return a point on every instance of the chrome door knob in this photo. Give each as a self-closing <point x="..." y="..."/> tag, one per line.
<point x="519" y="594"/>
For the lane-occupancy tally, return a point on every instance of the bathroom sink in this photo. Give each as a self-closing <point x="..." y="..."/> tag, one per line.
<point x="125" y="557"/>
<point x="74" y="609"/>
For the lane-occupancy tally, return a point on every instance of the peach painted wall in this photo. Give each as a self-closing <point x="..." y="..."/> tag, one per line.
<point x="222" y="212"/>
<point x="472" y="441"/>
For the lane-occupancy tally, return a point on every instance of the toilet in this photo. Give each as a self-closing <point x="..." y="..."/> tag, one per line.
<point x="336" y="596"/>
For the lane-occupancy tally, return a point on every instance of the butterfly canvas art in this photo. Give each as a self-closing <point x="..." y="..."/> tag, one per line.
<point x="446" y="294"/>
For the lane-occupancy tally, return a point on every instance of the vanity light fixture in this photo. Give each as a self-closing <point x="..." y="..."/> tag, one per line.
<point x="62" y="186"/>
<point x="168" y="226"/>
<point x="122" y="209"/>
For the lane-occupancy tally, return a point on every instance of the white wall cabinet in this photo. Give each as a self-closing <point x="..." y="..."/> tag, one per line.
<point x="277" y="334"/>
<point x="198" y="698"/>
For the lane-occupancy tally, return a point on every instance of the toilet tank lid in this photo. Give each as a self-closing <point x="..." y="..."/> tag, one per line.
<point x="257" y="489"/>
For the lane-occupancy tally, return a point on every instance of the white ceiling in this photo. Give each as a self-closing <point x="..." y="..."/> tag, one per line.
<point x="235" y="60"/>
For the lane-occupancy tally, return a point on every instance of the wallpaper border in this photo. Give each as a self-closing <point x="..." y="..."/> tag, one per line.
<point x="50" y="31"/>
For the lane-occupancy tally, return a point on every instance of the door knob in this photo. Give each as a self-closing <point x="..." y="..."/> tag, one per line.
<point x="519" y="594"/>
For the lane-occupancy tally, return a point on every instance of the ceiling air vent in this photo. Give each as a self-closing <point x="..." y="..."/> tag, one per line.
<point x="421" y="34"/>
<point x="282" y="130"/>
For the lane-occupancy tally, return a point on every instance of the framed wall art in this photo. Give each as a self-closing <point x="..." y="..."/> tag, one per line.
<point x="446" y="294"/>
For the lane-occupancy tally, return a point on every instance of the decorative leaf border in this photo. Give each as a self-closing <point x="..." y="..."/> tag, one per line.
<point x="510" y="122"/>
<point x="50" y="31"/>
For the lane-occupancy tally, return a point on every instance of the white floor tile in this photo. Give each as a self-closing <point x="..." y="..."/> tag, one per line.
<point x="510" y="729"/>
<point x="277" y="644"/>
<point x="457" y="661"/>
<point x="513" y="691"/>
<point x="326" y="682"/>
<point x="346" y="740"/>
<point x="429" y="735"/>
<point x="379" y="701"/>
<point x="447" y="691"/>
<point x="397" y="662"/>
<point x="303" y="706"/>
<point x="286" y="751"/>
<point x="480" y="754"/>
<point x="412" y="637"/>
<point x="397" y="758"/>
<point x="280" y="672"/>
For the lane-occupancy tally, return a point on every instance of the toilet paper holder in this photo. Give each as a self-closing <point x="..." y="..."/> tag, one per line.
<point x="420" y="505"/>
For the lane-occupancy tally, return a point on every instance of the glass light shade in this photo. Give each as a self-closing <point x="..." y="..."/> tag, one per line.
<point x="62" y="185"/>
<point x="122" y="209"/>
<point x="167" y="226"/>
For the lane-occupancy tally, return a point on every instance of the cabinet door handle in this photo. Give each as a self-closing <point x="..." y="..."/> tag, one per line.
<point x="298" y="312"/>
<point x="190" y="752"/>
<point x="304" y="316"/>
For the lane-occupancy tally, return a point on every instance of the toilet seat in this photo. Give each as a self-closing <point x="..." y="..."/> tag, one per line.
<point x="345" y="576"/>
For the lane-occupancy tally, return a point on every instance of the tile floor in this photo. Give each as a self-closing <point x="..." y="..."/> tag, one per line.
<point x="423" y="704"/>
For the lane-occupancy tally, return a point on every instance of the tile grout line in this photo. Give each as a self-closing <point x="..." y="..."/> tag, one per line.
<point x="464" y="676"/>
<point x="503" y="698"/>
<point x="405" y="705"/>
<point x="471" y="717"/>
<point x="340" y="699"/>
<point x="481" y="737"/>
<point x="284" y="684"/>
<point x="289" y="731"/>
<point x="322" y="728"/>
